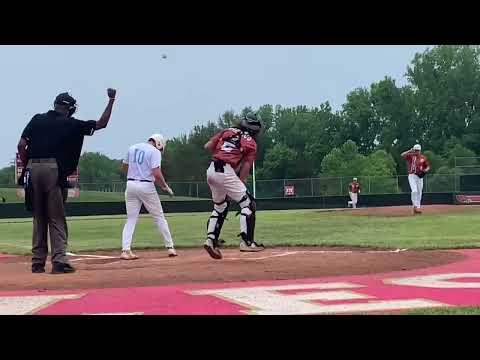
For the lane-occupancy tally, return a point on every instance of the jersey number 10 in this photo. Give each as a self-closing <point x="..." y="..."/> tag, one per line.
<point x="138" y="156"/>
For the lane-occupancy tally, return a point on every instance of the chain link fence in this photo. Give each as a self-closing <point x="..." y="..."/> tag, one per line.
<point x="326" y="186"/>
<point x="276" y="188"/>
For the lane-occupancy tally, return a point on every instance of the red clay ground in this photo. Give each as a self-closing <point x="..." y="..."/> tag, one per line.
<point x="195" y="266"/>
<point x="407" y="210"/>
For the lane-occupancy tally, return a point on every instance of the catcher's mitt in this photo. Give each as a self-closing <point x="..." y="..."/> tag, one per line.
<point x="421" y="174"/>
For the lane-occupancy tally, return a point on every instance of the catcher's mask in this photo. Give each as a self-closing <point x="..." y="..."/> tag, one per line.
<point x="66" y="100"/>
<point x="251" y="123"/>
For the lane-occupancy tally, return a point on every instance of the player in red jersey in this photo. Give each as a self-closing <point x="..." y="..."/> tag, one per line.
<point x="417" y="165"/>
<point x="354" y="188"/>
<point x="233" y="152"/>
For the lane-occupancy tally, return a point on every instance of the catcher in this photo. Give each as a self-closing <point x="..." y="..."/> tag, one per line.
<point x="233" y="152"/>
<point x="417" y="165"/>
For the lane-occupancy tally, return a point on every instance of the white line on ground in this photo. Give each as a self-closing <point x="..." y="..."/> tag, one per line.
<point x="315" y="252"/>
<point x="92" y="256"/>
<point x="85" y="259"/>
<point x="278" y="254"/>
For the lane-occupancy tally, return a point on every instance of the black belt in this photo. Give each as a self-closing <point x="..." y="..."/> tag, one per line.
<point x="47" y="160"/>
<point x="219" y="165"/>
<point x="140" y="180"/>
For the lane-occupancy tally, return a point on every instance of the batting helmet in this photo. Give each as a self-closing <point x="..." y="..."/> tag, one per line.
<point x="159" y="140"/>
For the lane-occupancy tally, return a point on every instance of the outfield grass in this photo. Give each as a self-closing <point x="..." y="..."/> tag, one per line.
<point x="280" y="228"/>
<point x="447" y="311"/>
<point x="10" y="195"/>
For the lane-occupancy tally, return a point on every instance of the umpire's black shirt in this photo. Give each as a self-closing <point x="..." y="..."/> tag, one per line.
<point x="53" y="135"/>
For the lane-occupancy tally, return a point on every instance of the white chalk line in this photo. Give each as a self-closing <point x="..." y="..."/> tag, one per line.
<point x="281" y="254"/>
<point x="316" y="252"/>
<point x="90" y="257"/>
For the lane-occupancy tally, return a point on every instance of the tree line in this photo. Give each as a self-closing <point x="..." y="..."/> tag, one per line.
<point x="437" y="107"/>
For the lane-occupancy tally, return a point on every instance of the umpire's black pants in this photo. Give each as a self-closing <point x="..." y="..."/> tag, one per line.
<point x="48" y="212"/>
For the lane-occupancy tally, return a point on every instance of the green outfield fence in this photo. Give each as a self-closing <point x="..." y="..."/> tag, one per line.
<point x="272" y="189"/>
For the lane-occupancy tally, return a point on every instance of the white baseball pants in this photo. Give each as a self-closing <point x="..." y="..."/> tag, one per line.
<point x="136" y="194"/>
<point x="223" y="185"/>
<point x="416" y="184"/>
<point x="354" y="199"/>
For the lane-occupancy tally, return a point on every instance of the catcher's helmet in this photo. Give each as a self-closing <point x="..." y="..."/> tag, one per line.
<point x="68" y="101"/>
<point x="251" y="123"/>
<point x="159" y="140"/>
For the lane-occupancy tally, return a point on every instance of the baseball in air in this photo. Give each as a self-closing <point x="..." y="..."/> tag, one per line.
<point x="164" y="56"/>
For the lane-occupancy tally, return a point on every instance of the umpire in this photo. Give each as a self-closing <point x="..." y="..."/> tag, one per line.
<point x="50" y="147"/>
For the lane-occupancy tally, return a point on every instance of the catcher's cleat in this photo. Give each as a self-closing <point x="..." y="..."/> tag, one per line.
<point x="213" y="251"/>
<point x="253" y="247"/>
<point x="128" y="255"/>
<point x="172" y="252"/>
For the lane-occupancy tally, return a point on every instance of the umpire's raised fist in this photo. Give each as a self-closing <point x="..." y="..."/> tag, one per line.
<point x="111" y="93"/>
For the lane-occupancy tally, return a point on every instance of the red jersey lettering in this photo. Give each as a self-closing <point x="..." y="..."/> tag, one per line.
<point x="233" y="145"/>
<point x="354" y="187"/>
<point x="416" y="163"/>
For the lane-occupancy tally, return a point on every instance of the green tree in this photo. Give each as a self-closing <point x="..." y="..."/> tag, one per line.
<point x="7" y="175"/>
<point x="363" y="124"/>
<point x="279" y="163"/>
<point x="445" y="81"/>
<point x="380" y="163"/>
<point x="436" y="161"/>
<point x="379" y="171"/>
<point x="343" y="162"/>
<point x="455" y="155"/>
<point x="98" y="168"/>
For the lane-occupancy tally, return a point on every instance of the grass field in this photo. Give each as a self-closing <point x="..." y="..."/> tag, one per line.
<point x="10" y="195"/>
<point x="447" y="311"/>
<point x="285" y="228"/>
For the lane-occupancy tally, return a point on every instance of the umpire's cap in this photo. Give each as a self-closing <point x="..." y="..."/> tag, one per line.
<point x="65" y="99"/>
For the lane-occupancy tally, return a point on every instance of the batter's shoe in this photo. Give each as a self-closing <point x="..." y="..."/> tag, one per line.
<point x="416" y="211"/>
<point x="213" y="251"/>
<point x="172" y="252"/>
<point x="254" y="247"/>
<point x="62" y="268"/>
<point x="128" y="255"/>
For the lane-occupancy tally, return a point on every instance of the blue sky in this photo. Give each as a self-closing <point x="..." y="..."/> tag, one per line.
<point x="192" y="85"/>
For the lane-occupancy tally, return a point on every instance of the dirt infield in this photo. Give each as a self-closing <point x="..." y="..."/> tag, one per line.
<point x="106" y="270"/>
<point x="407" y="210"/>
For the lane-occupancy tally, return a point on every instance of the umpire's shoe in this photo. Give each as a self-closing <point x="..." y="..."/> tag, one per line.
<point x="38" y="268"/>
<point x="211" y="249"/>
<point x="62" y="268"/>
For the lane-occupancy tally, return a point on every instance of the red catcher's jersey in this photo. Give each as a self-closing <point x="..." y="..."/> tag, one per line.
<point x="233" y="145"/>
